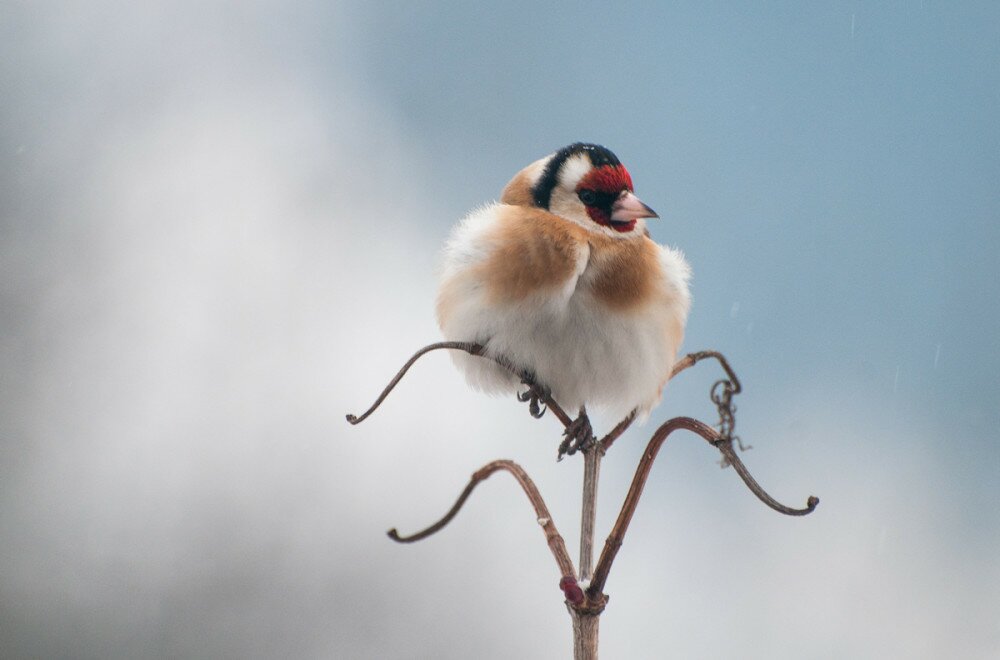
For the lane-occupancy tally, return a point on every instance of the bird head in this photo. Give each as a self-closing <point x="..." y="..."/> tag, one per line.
<point x="584" y="183"/>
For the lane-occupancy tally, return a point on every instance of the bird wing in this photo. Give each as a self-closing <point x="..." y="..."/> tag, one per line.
<point x="505" y="259"/>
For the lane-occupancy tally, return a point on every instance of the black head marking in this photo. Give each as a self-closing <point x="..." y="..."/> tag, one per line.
<point x="598" y="155"/>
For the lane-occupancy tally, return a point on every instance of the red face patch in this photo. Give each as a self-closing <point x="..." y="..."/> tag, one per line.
<point x="607" y="179"/>
<point x="608" y="182"/>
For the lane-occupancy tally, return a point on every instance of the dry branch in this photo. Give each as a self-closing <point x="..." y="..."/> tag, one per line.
<point x="713" y="437"/>
<point x="471" y="348"/>
<point x="542" y="515"/>
<point x="585" y="607"/>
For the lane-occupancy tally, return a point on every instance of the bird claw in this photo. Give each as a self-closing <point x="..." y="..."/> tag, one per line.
<point x="534" y="396"/>
<point x="579" y="436"/>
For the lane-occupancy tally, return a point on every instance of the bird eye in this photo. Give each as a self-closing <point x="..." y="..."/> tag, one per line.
<point x="588" y="197"/>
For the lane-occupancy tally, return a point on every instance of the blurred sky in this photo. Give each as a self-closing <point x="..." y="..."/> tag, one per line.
<point x="221" y="224"/>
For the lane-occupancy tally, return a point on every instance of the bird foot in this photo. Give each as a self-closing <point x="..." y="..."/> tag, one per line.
<point x="535" y="396"/>
<point x="579" y="436"/>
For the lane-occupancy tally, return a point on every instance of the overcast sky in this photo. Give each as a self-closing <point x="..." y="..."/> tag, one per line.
<point x="221" y="224"/>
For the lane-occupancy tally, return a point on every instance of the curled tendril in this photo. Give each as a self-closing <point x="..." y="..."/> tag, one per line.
<point x="722" y="393"/>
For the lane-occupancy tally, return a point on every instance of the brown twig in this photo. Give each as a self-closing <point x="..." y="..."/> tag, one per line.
<point x="692" y="359"/>
<point x="732" y="458"/>
<point x="685" y="362"/>
<point x="471" y="348"/>
<point x="614" y="541"/>
<point x="556" y="409"/>
<point x="588" y="513"/>
<point x="616" y="432"/>
<point x="552" y="536"/>
<point x="586" y="607"/>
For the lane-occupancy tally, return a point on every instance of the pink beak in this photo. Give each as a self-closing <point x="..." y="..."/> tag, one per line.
<point x="629" y="207"/>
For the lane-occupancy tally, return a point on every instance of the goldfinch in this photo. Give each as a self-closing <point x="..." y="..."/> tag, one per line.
<point x="561" y="280"/>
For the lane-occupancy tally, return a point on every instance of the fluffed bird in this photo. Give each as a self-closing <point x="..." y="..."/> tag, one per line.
<point x="561" y="281"/>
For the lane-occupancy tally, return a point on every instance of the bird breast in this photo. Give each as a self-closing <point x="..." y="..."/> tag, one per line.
<point x="597" y="319"/>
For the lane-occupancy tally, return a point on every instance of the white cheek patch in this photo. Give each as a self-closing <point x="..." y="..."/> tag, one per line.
<point x="574" y="169"/>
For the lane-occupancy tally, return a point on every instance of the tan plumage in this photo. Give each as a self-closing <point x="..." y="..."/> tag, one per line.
<point x="576" y="294"/>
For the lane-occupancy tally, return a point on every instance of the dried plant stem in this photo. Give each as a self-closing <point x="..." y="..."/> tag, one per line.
<point x="617" y="431"/>
<point x="586" y="623"/>
<point x="732" y="458"/>
<point x="542" y="515"/>
<point x="469" y="347"/>
<point x="586" y="601"/>
<point x="614" y="541"/>
<point x="591" y="473"/>
<point x="475" y="349"/>
<point x="692" y="359"/>
<point x="585" y="629"/>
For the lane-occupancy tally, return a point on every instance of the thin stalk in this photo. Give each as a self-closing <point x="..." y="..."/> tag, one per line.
<point x="586" y="621"/>
<point x="591" y="473"/>
<point x="585" y="635"/>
